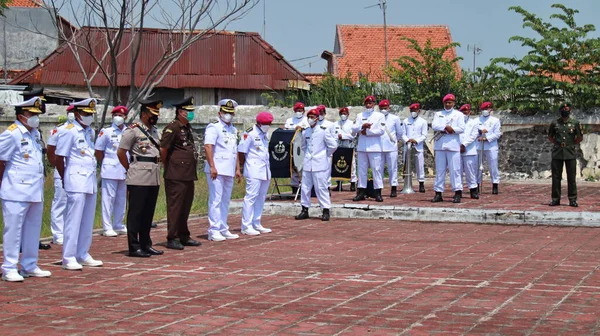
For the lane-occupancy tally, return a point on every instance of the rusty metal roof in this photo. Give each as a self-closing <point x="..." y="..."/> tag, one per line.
<point x="233" y="60"/>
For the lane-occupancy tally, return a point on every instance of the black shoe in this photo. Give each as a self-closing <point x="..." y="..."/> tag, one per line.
<point x="478" y="189"/>
<point x="457" y="196"/>
<point x="474" y="193"/>
<point x="554" y="203"/>
<point x="495" y="189"/>
<point x="361" y="195"/>
<point x="437" y="197"/>
<point x="153" y="225"/>
<point x="153" y="251"/>
<point x="43" y="246"/>
<point x="573" y="204"/>
<point x="325" y="216"/>
<point x="174" y="244"/>
<point x="139" y="254"/>
<point x="394" y="192"/>
<point x="378" y="197"/>
<point x="421" y="187"/>
<point x="191" y="242"/>
<point x="303" y="214"/>
<point x="294" y="190"/>
<point x="352" y="186"/>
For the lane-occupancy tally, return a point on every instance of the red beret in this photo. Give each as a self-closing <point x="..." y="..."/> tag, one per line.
<point x="369" y="99"/>
<point x="344" y="109"/>
<point x="465" y="107"/>
<point x="384" y="102"/>
<point x="119" y="109"/>
<point x="298" y="106"/>
<point x="70" y="108"/>
<point x="415" y="106"/>
<point x="264" y="118"/>
<point x="485" y="105"/>
<point x="322" y="108"/>
<point x="313" y="112"/>
<point x="447" y="97"/>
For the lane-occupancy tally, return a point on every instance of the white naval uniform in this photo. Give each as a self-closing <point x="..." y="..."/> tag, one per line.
<point x="59" y="202"/>
<point x="416" y="128"/>
<point x="447" y="149"/>
<point x="291" y="124"/>
<point x="114" y="188"/>
<point x="369" y="147"/>
<point x="224" y="139"/>
<point x="329" y="126"/>
<point x="22" y="194"/>
<point x="347" y="141"/>
<point x="76" y="145"/>
<point x="255" y="146"/>
<point x="469" y="158"/>
<point x="490" y="148"/>
<point x="389" y="143"/>
<point x="318" y="145"/>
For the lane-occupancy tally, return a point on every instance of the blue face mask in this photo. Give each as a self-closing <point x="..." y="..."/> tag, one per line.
<point x="190" y="116"/>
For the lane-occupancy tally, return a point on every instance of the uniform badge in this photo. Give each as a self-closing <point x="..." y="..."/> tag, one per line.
<point x="341" y="166"/>
<point x="83" y="152"/>
<point x="26" y="155"/>
<point x="101" y="133"/>
<point x="245" y="136"/>
<point x="144" y="150"/>
<point x="185" y="143"/>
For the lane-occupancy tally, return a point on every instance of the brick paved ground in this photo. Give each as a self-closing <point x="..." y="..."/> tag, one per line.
<point x="367" y="277"/>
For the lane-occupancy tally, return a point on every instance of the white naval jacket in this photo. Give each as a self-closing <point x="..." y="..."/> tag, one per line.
<point x="53" y="140"/>
<point x="454" y="118"/>
<point x="108" y="142"/>
<point x="492" y="125"/>
<point x="318" y="145"/>
<point x="415" y="128"/>
<point x="345" y="129"/>
<point x="469" y="137"/>
<point x="77" y="146"/>
<point x="224" y="139"/>
<point x="255" y="146"/>
<point x="393" y="132"/>
<point x="371" y="142"/>
<point x="292" y="122"/>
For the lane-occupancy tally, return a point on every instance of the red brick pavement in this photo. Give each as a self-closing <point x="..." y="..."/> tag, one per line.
<point x="367" y="277"/>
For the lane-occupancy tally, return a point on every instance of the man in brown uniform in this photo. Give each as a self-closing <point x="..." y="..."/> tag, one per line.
<point x="143" y="177"/>
<point x="178" y="152"/>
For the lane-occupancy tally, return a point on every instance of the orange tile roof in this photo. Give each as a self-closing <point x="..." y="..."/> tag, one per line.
<point x="314" y="78"/>
<point x="361" y="47"/>
<point x="22" y="3"/>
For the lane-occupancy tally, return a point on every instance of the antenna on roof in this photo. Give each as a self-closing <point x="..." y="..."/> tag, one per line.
<point x="264" y="34"/>
<point x="476" y="51"/>
<point x="383" y="6"/>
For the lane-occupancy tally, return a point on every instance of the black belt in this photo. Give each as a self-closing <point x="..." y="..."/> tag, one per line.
<point x="154" y="159"/>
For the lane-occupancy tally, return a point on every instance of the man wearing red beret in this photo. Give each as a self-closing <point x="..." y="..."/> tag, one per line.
<point x="343" y="132"/>
<point x="489" y="130"/>
<point x="415" y="132"/>
<point x="468" y="150"/>
<point x="296" y="122"/>
<point x="389" y="142"/>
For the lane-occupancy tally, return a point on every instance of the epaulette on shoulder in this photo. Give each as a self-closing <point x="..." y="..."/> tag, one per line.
<point x="323" y="127"/>
<point x="69" y="126"/>
<point x="249" y="129"/>
<point x="134" y="125"/>
<point x="215" y="122"/>
<point x="59" y="125"/>
<point x="12" y="127"/>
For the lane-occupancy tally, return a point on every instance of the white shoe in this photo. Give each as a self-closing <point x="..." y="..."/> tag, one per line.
<point x="91" y="262"/>
<point x="262" y="229"/>
<point x="122" y="231"/>
<point x="109" y="233"/>
<point x="72" y="266"/>
<point x="216" y="237"/>
<point x="37" y="273"/>
<point x="250" y="232"/>
<point x="57" y="241"/>
<point x="12" y="276"/>
<point x="229" y="235"/>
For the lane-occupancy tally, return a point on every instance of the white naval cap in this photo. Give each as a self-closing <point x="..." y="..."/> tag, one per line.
<point x="86" y="105"/>
<point x="228" y="105"/>
<point x="33" y="105"/>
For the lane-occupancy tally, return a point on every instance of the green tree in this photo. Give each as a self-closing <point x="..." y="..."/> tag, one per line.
<point x="3" y="6"/>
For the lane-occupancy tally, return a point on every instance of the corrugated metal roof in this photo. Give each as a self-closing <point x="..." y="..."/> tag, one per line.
<point x="233" y="60"/>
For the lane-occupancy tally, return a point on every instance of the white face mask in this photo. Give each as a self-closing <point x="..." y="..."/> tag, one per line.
<point x="448" y="110"/>
<point x="414" y="115"/>
<point x="226" y="117"/>
<point x="33" y="121"/>
<point x="70" y="116"/>
<point x="344" y="117"/>
<point x="87" y="120"/>
<point x="312" y="122"/>
<point x="298" y="114"/>
<point x="385" y="112"/>
<point x="485" y="113"/>
<point x="118" y="121"/>
<point x="265" y="128"/>
<point x="369" y="110"/>
<point x="321" y="117"/>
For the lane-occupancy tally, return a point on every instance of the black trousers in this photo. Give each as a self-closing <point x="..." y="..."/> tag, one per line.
<point x="180" y="195"/>
<point x="142" y="202"/>
<point x="557" y="169"/>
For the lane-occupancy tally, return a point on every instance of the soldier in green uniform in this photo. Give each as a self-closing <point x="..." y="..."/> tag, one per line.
<point x="564" y="133"/>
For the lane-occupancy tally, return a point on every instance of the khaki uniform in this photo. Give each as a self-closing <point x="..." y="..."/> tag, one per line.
<point x="564" y="151"/>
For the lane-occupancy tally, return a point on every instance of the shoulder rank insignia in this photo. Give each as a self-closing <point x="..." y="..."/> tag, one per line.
<point x="215" y="122"/>
<point x="12" y="127"/>
<point x="134" y="125"/>
<point x="69" y="126"/>
<point x="249" y="129"/>
<point x="168" y="130"/>
<point x="59" y="125"/>
<point x="323" y="127"/>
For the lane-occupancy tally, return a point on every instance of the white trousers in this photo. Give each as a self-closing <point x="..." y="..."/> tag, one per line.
<point x="391" y="160"/>
<point x="219" y="196"/>
<point x="254" y="201"/>
<point x="58" y="210"/>
<point x="319" y="181"/>
<point x="491" y="156"/>
<point x="22" y="226"/>
<point x="79" y="224"/>
<point x="470" y="168"/>
<point x="368" y="160"/>
<point x="114" y="200"/>
<point x="451" y="161"/>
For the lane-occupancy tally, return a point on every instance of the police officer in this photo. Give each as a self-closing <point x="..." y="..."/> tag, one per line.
<point x="220" y="145"/>
<point x="415" y="132"/>
<point x="468" y="150"/>
<point x="22" y="191"/>
<point x="140" y="140"/>
<point x="76" y="165"/>
<point x="343" y="132"/>
<point x="114" y="188"/>
<point x="253" y="155"/>
<point x="389" y="142"/>
<point x="318" y="145"/>
<point x="296" y="122"/>
<point x="369" y="129"/>
<point x="565" y="133"/>
<point x="179" y="155"/>
<point x="448" y="124"/>
<point x="489" y="130"/>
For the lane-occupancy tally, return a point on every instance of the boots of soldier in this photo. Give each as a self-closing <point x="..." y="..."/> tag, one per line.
<point x="294" y="190"/>
<point x="378" y="197"/>
<point x="352" y="186"/>
<point x="303" y="214"/>
<point x="437" y="197"/>
<point x="457" y="196"/>
<point x="361" y="195"/>
<point x="495" y="189"/>
<point x="421" y="187"/>
<point x="394" y="192"/>
<point x="325" y="216"/>
<point x="339" y="186"/>
<point x="474" y="193"/>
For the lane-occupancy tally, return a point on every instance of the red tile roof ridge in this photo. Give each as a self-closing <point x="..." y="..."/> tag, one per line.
<point x="393" y="26"/>
<point x="23" y="3"/>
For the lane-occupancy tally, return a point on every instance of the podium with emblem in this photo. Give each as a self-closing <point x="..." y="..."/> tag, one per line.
<point x="281" y="158"/>
<point x="341" y="164"/>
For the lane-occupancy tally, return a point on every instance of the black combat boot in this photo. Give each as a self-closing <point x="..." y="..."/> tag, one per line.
<point x="352" y="186"/>
<point x="394" y="192"/>
<point x="474" y="193"/>
<point x="421" y="187"/>
<point x="361" y="195"/>
<point x="457" y="196"/>
<point x="437" y="197"/>
<point x="325" y="216"/>
<point x="303" y="214"/>
<point x="378" y="197"/>
<point x="495" y="189"/>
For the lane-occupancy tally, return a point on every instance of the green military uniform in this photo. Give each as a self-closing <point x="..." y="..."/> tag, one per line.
<point x="565" y="135"/>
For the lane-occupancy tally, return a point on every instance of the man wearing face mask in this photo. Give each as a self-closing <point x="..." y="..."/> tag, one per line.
<point x="297" y="122"/>
<point x="448" y="125"/>
<point x="253" y="155"/>
<point x="76" y="165"/>
<point x="468" y="150"/>
<point x="221" y="166"/>
<point x="180" y="159"/>
<point x="565" y="133"/>
<point x="489" y="133"/>
<point x="21" y="191"/>
<point x="369" y="129"/>
<point x="343" y="132"/>
<point x="389" y="141"/>
<point x="415" y="132"/>
<point x="58" y="208"/>
<point x="114" y="188"/>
